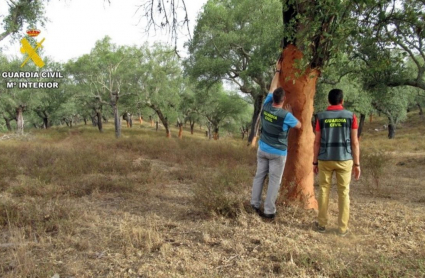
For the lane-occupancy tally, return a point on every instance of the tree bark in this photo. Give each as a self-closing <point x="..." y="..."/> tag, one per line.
<point x="46" y="123"/>
<point x="117" y="121"/>
<point x="391" y="130"/>
<point x="258" y="104"/>
<point x="421" y="112"/>
<point x="20" y="119"/>
<point x="361" y="124"/>
<point x="99" y="121"/>
<point x="244" y="131"/>
<point x="8" y="126"/>
<point x="94" y="120"/>
<point x="162" y="118"/>
<point x="216" y="135"/>
<point x="256" y="129"/>
<point x="300" y="88"/>
<point x="180" y="131"/>
<point x="209" y="130"/>
<point x="192" y="126"/>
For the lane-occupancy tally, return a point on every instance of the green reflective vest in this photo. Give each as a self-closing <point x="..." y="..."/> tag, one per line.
<point x="335" y="141"/>
<point x="272" y="132"/>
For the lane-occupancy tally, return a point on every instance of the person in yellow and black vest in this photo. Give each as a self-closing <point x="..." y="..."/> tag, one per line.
<point x="336" y="149"/>
<point x="272" y="149"/>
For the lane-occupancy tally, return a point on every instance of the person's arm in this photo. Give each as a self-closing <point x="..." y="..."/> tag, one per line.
<point x="275" y="80"/>
<point x="269" y="98"/>
<point x="288" y="108"/>
<point x="316" y="151"/>
<point x="355" y="149"/>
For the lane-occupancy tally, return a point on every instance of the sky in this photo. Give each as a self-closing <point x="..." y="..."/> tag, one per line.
<point x="75" y="25"/>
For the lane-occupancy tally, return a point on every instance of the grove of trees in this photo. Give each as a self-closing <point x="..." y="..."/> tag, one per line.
<point x="374" y="50"/>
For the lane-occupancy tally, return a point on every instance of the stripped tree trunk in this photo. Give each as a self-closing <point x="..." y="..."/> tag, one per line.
<point x="300" y="88"/>
<point x="180" y="131"/>
<point x="216" y="135"/>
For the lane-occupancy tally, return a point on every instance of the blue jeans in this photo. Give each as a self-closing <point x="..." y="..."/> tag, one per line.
<point x="273" y="165"/>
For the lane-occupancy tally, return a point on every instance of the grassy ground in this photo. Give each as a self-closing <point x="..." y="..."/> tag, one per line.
<point x="83" y="204"/>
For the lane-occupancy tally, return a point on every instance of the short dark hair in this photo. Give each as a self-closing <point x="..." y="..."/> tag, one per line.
<point x="278" y="95"/>
<point x="335" y="96"/>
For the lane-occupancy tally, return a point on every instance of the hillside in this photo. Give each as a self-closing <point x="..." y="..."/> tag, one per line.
<point x="80" y="203"/>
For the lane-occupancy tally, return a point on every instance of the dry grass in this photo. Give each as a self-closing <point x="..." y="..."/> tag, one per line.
<point x="83" y="204"/>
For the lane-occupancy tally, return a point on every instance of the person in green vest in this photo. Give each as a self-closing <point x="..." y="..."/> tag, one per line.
<point x="272" y="149"/>
<point x="336" y="149"/>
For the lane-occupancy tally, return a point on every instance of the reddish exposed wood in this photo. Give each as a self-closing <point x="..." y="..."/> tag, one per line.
<point x="180" y="132"/>
<point x="254" y="141"/>
<point x="300" y="88"/>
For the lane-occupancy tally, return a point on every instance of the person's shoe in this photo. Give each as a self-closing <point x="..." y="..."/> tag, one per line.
<point x="256" y="210"/>
<point x="267" y="215"/>
<point x="319" y="228"/>
<point x="343" y="234"/>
